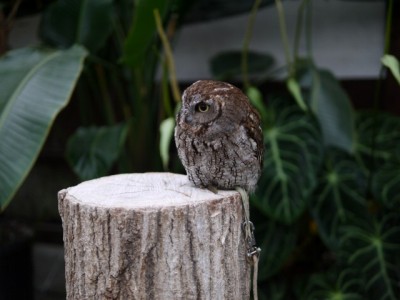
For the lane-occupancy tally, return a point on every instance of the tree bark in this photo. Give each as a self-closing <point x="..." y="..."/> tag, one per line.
<point x="153" y="236"/>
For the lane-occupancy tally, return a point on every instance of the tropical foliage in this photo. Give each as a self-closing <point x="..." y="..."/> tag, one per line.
<point x="327" y="210"/>
<point x="114" y="87"/>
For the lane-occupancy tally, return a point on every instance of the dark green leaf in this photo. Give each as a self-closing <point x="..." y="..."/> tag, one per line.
<point x="36" y="84"/>
<point x="293" y="153"/>
<point x="386" y="185"/>
<point x="227" y="65"/>
<point x="330" y="104"/>
<point x="372" y="247"/>
<point x="85" y="22"/>
<point x="274" y="290"/>
<point x="143" y="31"/>
<point x="92" y="151"/>
<point x="277" y="241"/>
<point x="344" y="285"/>
<point x="378" y="138"/>
<point x="340" y="195"/>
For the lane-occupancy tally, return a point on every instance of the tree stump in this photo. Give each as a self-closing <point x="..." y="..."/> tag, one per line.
<point x="153" y="236"/>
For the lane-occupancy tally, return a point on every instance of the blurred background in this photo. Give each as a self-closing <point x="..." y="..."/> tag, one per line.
<point x="88" y="89"/>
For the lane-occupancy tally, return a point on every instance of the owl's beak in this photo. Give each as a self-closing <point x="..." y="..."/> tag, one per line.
<point x="188" y="119"/>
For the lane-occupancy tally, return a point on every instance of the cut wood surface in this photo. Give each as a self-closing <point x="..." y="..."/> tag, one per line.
<point x="153" y="236"/>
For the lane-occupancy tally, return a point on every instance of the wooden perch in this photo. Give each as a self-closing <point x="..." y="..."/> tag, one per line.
<point x="153" y="236"/>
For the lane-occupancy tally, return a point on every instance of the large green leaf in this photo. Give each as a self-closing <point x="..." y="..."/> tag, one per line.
<point x="372" y="247"/>
<point x="386" y="185"/>
<point x="340" y="195"/>
<point x="35" y="85"/>
<point x="228" y="64"/>
<point x="378" y="138"/>
<point x="274" y="290"/>
<point x="293" y="153"/>
<point x="334" y="285"/>
<point x="85" y="22"/>
<point x="142" y="31"/>
<point x="277" y="241"/>
<point x="330" y="104"/>
<point x="92" y="151"/>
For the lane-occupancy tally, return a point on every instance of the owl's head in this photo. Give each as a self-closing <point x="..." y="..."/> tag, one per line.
<point x="208" y="102"/>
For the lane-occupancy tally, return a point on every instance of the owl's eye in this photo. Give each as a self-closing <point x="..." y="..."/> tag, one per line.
<point x="202" y="107"/>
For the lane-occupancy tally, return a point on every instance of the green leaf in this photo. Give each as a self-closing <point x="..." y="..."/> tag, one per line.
<point x="85" y="22"/>
<point x="330" y="104"/>
<point x="386" y="185"/>
<point x="256" y="99"/>
<point x="142" y="31"/>
<point x="277" y="242"/>
<point x="339" y="197"/>
<point x="294" y="88"/>
<point x="378" y="138"/>
<point x="372" y="247"/>
<point x="92" y="151"/>
<point x="392" y="63"/>
<point x="228" y="65"/>
<point x="36" y="84"/>
<point x="166" y="134"/>
<point x="333" y="285"/>
<point x="274" y="290"/>
<point x="293" y="153"/>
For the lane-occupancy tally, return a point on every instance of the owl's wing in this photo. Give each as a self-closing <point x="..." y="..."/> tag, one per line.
<point x="254" y="132"/>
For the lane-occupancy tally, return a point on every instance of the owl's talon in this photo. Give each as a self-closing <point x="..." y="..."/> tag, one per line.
<point x="212" y="189"/>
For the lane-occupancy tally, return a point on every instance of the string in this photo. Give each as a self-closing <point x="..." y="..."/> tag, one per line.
<point x="252" y="250"/>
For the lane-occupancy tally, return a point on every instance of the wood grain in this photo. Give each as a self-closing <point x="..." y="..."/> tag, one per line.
<point x="152" y="236"/>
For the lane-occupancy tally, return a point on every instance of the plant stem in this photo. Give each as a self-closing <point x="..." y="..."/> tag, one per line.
<point x="388" y="26"/>
<point x="284" y="36"/>
<point x="297" y="36"/>
<point x="378" y="93"/>
<point x="388" y="31"/>
<point x="246" y="43"/>
<point x="305" y="8"/>
<point x="309" y="24"/>
<point x="165" y="92"/>
<point x="105" y="95"/>
<point x="168" y="56"/>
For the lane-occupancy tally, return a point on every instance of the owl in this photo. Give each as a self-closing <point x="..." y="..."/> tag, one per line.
<point x="218" y="137"/>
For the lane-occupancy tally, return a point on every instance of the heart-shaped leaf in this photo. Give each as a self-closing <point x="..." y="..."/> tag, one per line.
<point x="386" y="185"/>
<point x="92" y="151"/>
<point x="372" y="247"/>
<point x="340" y="195"/>
<point x="274" y="290"/>
<point x="293" y="153"/>
<point x="333" y="285"/>
<point x="277" y="241"/>
<point x="85" y="22"/>
<point x="36" y="84"/>
<point x="330" y="104"/>
<point x="378" y="138"/>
